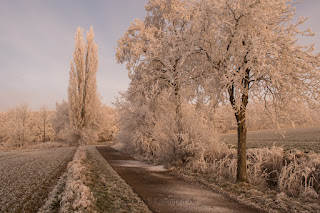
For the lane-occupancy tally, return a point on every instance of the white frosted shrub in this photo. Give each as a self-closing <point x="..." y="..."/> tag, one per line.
<point x="297" y="174"/>
<point x="264" y="165"/>
<point x="300" y="177"/>
<point x="155" y="136"/>
<point x="144" y="142"/>
<point x="225" y="167"/>
<point x="195" y="144"/>
<point x="134" y="131"/>
<point x="89" y="135"/>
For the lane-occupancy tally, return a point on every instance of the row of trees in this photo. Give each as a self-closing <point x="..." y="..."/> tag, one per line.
<point x="20" y="127"/>
<point x="211" y="53"/>
<point x="299" y="115"/>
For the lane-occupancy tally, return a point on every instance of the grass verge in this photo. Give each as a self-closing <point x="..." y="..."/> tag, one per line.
<point x="111" y="192"/>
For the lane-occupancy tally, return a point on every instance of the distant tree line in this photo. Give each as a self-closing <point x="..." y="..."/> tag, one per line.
<point x="22" y="127"/>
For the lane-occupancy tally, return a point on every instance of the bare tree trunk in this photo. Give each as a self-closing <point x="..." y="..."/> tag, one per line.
<point x="242" y="132"/>
<point x="44" y="131"/>
<point x="178" y="116"/>
<point x="177" y="96"/>
<point x="242" y="138"/>
<point x="178" y="112"/>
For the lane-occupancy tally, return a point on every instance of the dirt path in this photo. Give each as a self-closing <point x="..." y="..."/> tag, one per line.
<point x="163" y="192"/>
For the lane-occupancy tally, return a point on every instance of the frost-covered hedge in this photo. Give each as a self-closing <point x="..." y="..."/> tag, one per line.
<point x="293" y="172"/>
<point x="77" y="196"/>
<point x="155" y="135"/>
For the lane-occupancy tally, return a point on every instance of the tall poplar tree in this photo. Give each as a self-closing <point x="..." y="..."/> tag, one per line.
<point x="82" y="91"/>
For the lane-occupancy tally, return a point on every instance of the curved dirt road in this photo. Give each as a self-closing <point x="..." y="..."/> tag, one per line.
<point x="163" y="192"/>
<point x="27" y="177"/>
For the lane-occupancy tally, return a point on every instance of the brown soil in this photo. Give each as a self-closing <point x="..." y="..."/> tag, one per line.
<point x="33" y="193"/>
<point x="164" y="192"/>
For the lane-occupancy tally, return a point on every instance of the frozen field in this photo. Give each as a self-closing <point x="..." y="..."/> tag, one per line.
<point x="27" y="176"/>
<point x="305" y="139"/>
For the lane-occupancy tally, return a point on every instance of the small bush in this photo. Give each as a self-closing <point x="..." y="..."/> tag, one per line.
<point x="300" y="176"/>
<point x="264" y="165"/>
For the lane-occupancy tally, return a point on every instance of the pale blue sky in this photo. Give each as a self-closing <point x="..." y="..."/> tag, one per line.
<point x="37" y="42"/>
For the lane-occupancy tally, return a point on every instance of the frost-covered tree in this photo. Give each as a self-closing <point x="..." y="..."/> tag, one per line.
<point x="249" y="51"/>
<point x="36" y="126"/>
<point x="107" y="123"/>
<point x="61" y="122"/>
<point x="3" y="127"/>
<point x="154" y="52"/>
<point x="82" y="91"/>
<point x="44" y="117"/>
<point x="154" y="112"/>
<point x="18" y="128"/>
<point x="21" y="127"/>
